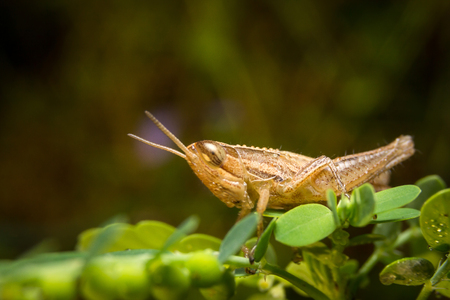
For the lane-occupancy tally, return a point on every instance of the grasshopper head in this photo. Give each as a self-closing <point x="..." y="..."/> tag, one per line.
<point x="207" y="160"/>
<point x="214" y="169"/>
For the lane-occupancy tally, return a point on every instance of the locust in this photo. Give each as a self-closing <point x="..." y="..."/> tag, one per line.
<point x="245" y="177"/>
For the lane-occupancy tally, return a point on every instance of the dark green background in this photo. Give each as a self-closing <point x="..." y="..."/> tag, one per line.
<point x="313" y="77"/>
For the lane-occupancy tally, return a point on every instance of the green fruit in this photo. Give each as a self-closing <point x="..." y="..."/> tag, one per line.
<point x="115" y="278"/>
<point x="58" y="288"/>
<point x="96" y="283"/>
<point x="168" y="282"/>
<point x="205" y="269"/>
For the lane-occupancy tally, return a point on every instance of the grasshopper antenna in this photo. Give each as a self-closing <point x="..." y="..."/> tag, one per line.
<point x="168" y="134"/>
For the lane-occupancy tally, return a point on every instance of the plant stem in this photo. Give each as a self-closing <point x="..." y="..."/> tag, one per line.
<point x="370" y="262"/>
<point x="405" y="237"/>
<point x="240" y="262"/>
<point x="365" y="269"/>
<point x="427" y="289"/>
<point x="437" y="277"/>
<point x="440" y="273"/>
<point x="297" y="282"/>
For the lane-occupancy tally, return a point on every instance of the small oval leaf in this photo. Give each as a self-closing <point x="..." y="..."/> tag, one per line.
<point x="395" y="197"/>
<point x="362" y="205"/>
<point x="154" y="233"/>
<point x="304" y="225"/>
<point x="196" y="242"/>
<point x="109" y="238"/>
<point x="429" y="185"/>
<point x="407" y="271"/>
<point x="144" y="235"/>
<point x="332" y="204"/>
<point x="343" y="209"/>
<point x="396" y="215"/>
<point x="435" y="221"/>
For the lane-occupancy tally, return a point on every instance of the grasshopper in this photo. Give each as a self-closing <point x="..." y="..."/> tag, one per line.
<point x="243" y="177"/>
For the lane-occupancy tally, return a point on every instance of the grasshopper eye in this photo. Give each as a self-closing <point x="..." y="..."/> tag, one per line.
<point x="212" y="153"/>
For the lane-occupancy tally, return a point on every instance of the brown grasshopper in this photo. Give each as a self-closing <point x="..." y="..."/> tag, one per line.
<point x="243" y="176"/>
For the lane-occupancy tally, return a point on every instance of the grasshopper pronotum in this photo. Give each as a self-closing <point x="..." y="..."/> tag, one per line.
<point x="243" y="176"/>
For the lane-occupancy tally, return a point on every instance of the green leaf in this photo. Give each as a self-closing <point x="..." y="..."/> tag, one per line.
<point x="15" y="268"/>
<point x="396" y="215"/>
<point x="86" y="238"/>
<point x="340" y="237"/>
<point x="366" y="239"/>
<point x="120" y="236"/>
<point x="316" y="268"/>
<point x="320" y="252"/>
<point x="196" y="242"/>
<point x="407" y="271"/>
<point x="263" y="242"/>
<point x="435" y="221"/>
<point x="304" y="225"/>
<point x="154" y="233"/>
<point x="110" y="238"/>
<point x="362" y="205"/>
<point x="343" y="208"/>
<point x="429" y="185"/>
<point x="332" y="204"/>
<point x="188" y="226"/>
<point x="395" y="197"/>
<point x="237" y="236"/>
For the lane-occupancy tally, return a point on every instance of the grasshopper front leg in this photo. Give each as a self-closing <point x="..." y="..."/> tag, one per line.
<point x="264" y="196"/>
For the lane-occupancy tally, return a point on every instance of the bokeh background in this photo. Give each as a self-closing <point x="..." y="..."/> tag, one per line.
<point x="313" y="77"/>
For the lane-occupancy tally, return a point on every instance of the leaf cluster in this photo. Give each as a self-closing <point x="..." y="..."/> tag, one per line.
<point x="153" y="260"/>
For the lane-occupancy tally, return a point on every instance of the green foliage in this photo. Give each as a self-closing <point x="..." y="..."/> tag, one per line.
<point x="407" y="271"/>
<point x="435" y="221"/>
<point x="174" y="263"/>
<point x="362" y="206"/>
<point x="237" y="236"/>
<point x="263" y="243"/>
<point x="304" y="225"/>
<point x="110" y="277"/>
<point x="198" y="241"/>
<point x="125" y="236"/>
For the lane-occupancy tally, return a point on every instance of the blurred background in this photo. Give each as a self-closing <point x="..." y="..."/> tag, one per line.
<point x="312" y="77"/>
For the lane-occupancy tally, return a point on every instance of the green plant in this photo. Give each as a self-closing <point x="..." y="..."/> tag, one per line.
<point x="174" y="263"/>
